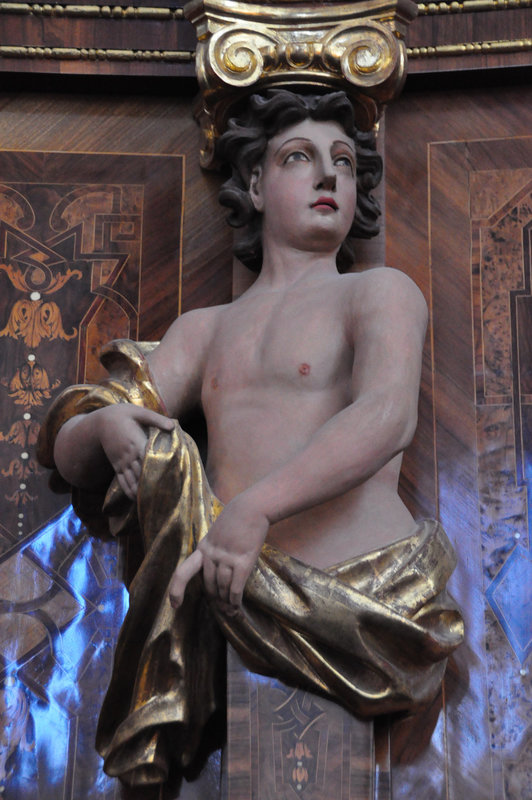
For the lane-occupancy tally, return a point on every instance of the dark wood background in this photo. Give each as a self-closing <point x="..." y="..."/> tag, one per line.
<point x="109" y="97"/>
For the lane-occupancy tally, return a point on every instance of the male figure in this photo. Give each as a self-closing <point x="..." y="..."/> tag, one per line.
<point x="309" y="386"/>
<point x="308" y="382"/>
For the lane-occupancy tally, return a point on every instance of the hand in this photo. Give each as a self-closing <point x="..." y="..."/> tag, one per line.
<point x="227" y="554"/>
<point x="123" y="438"/>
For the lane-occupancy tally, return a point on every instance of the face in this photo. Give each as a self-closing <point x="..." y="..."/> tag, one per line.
<point x="306" y="187"/>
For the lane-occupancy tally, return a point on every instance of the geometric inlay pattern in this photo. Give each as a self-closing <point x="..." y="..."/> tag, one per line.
<point x="90" y="250"/>
<point x="510" y="597"/>
<point x="80" y="234"/>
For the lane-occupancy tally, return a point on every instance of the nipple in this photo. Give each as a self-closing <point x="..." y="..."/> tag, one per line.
<point x="304" y="369"/>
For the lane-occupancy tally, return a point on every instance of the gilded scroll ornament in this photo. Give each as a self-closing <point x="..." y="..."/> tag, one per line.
<point x="247" y="47"/>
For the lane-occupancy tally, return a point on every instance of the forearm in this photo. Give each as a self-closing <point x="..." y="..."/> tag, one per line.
<point x="91" y="448"/>
<point x="346" y="451"/>
<point x="79" y="455"/>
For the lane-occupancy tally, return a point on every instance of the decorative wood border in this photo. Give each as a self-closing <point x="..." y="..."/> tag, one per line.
<point x="471" y="48"/>
<point x="91" y="11"/>
<point x="165" y="13"/>
<point x="96" y="54"/>
<point x="188" y="56"/>
<point x="469" y="6"/>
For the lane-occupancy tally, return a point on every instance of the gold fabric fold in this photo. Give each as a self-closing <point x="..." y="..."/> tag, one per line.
<point x="373" y="633"/>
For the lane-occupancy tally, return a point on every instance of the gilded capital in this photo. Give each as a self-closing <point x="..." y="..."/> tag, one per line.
<point x="247" y="47"/>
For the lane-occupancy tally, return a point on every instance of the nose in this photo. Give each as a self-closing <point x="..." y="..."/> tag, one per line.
<point x="327" y="182"/>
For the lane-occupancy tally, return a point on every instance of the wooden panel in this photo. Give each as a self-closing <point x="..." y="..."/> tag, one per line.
<point x="286" y="743"/>
<point x="79" y="233"/>
<point x="470" y="35"/>
<point x="462" y="232"/>
<point x="97" y="39"/>
<point x="110" y="189"/>
<point x="150" y="39"/>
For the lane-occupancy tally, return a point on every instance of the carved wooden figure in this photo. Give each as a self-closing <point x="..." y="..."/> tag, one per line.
<point x="293" y="540"/>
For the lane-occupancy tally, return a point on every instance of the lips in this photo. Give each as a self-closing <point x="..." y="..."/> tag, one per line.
<point x="326" y="201"/>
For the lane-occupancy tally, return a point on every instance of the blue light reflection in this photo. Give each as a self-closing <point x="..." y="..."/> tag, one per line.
<point x="61" y="682"/>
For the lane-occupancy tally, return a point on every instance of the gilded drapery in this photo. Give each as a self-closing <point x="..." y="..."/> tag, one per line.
<point x="373" y="633"/>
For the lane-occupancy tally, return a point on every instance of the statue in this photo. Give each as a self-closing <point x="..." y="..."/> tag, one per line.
<point x="292" y="540"/>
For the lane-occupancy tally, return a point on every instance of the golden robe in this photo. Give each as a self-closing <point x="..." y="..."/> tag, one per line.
<point x="373" y="633"/>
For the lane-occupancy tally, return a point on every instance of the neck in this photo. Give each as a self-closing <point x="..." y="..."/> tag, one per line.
<point x="284" y="266"/>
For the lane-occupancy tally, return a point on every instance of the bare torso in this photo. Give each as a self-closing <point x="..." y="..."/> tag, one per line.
<point x="279" y="366"/>
<point x="309" y="384"/>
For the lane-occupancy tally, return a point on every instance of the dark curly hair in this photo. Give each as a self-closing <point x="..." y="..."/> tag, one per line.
<point x="244" y="144"/>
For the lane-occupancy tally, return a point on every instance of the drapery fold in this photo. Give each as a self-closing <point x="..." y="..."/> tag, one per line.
<point x="373" y="633"/>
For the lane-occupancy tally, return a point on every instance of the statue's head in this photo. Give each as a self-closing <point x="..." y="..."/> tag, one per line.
<point x="244" y="147"/>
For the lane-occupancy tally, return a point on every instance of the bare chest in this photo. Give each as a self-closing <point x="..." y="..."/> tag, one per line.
<point x="300" y="344"/>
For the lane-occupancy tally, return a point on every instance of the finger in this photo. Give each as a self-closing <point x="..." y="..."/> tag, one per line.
<point x="236" y="589"/>
<point x="145" y="416"/>
<point x="124" y="485"/>
<point x="224" y="574"/>
<point x="209" y="577"/>
<point x="131" y="480"/>
<point x="136" y="467"/>
<point x="182" y="575"/>
<point x="226" y="608"/>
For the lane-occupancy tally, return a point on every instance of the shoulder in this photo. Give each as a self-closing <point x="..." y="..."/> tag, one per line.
<point x="191" y="332"/>
<point x="200" y="321"/>
<point x="384" y="303"/>
<point x="382" y="291"/>
<point x="177" y="364"/>
<point x="386" y="283"/>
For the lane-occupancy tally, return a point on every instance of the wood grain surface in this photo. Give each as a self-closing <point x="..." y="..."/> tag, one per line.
<point x="106" y="194"/>
<point x="461" y="230"/>
<point x="458" y="173"/>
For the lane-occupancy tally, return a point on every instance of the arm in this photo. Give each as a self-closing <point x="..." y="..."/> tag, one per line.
<point x="387" y="322"/>
<point x="90" y="447"/>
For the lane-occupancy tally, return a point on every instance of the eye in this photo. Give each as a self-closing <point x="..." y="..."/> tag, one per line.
<point x="296" y="155"/>
<point x="344" y="161"/>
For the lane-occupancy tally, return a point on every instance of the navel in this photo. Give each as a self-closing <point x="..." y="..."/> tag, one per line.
<point x="304" y="369"/>
<point x="214" y="382"/>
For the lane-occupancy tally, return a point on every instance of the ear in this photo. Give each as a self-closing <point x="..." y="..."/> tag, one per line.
<point x="255" y="188"/>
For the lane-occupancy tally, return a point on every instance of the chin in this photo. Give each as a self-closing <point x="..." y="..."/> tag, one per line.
<point x="322" y="241"/>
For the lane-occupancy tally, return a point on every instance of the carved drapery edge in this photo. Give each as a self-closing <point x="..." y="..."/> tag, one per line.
<point x="471" y="48"/>
<point x="95" y="54"/>
<point x="91" y="11"/>
<point x="247" y="47"/>
<point x="470" y="6"/>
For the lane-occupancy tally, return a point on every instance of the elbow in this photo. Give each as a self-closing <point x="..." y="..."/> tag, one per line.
<point x="399" y="421"/>
<point x="408" y="430"/>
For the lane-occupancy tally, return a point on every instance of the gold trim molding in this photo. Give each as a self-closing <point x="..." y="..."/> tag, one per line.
<point x="471" y="48"/>
<point x="469" y="6"/>
<point x="95" y="54"/>
<point x="245" y="47"/>
<point x="91" y="11"/>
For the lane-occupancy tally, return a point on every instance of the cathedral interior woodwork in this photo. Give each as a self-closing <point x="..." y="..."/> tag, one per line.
<point x="109" y="228"/>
